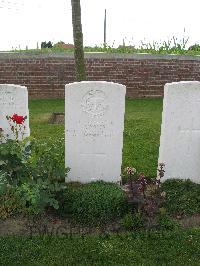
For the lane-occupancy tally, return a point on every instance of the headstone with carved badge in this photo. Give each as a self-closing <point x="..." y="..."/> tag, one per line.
<point x="94" y="124"/>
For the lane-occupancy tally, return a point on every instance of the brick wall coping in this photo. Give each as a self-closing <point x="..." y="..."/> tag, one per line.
<point x="99" y="55"/>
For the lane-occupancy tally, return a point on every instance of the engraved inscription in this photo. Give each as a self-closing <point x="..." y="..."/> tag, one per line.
<point x="96" y="129"/>
<point x="71" y="132"/>
<point x="94" y="103"/>
<point x="7" y="100"/>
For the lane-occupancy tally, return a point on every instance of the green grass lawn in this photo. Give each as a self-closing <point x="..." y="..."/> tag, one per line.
<point x="153" y="248"/>
<point x="141" y="134"/>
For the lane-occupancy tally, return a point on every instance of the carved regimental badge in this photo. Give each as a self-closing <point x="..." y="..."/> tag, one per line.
<point x="94" y="103"/>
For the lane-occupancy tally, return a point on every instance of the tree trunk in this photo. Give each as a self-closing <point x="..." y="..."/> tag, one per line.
<point x="78" y="40"/>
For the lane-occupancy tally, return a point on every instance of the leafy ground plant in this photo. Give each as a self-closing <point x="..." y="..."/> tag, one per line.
<point x="146" y="197"/>
<point x="167" y="223"/>
<point x="95" y="203"/>
<point x="132" y="221"/>
<point x="31" y="172"/>
<point x="10" y="204"/>
<point x="182" y="197"/>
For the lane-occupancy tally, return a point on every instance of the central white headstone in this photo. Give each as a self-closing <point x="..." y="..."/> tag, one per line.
<point x="94" y="124"/>
<point x="13" y="100"/>
<point x="180" y="131"/>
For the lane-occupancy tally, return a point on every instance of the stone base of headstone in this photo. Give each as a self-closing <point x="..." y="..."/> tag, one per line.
<point x="57" y="118"/>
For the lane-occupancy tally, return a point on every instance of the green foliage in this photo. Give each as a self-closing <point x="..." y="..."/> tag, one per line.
<point x="32" y="159"/>
<point x="10" y="203"/>
<point x="195" y="47"/>
<point x="47" y="159"/>
<point x="95" y="203"/>
<point x="132" y="221"/>
<point x="36" y="195"/>
<point x="46" y="44"/>
<point x="14" y="161"/>
<point x="182" y="197"/>
<point x="165" y="222"/>
<point x="31" y="174"/>
<point x="170" y="46"/>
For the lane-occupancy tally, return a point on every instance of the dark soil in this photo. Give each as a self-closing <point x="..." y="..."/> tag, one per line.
<point x="192" y="221"/>
<point x="50" y="224"/>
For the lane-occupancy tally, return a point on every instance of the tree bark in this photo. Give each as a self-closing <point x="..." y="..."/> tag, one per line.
<point x="78" y="40"/>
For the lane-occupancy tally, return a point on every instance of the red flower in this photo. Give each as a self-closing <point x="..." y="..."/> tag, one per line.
<point x="18" y="119"/>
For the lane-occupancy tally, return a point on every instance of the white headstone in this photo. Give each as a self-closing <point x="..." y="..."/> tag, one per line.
<point x="180" y="131"/>
<point x="13" y="100"/>
<point x="94" y="124"/>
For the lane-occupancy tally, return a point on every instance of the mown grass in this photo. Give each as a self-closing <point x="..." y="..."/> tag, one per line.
<point x="40" y="112"/>
<point x="147" y="248"/>
<point x="141" y="133"/>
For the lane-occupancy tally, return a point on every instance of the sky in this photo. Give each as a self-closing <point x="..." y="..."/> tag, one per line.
<point x="28" y="22"/>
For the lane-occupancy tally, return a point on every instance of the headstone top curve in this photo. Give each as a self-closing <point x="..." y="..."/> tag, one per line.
<point x="106" y="83"/>
<point x="181" y="83"/>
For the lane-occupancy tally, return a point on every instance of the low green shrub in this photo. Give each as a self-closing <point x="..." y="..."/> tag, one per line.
<point x="10" y="203"/>
<point x="47" y="159"/>
<point x="182" y="196"/>
<point x="166" y="222"/>
<point x="132" y="221"/>
<point x="36" y="195"/>
<point x="95" y="203"/>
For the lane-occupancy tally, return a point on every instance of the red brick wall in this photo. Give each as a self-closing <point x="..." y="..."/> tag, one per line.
<point x="144" y="75"/>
